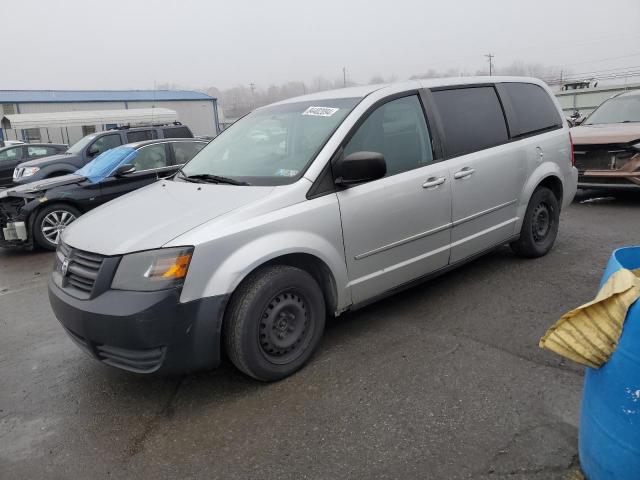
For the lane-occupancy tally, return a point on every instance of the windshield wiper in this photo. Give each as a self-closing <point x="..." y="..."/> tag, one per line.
<point x="207" y="177"/>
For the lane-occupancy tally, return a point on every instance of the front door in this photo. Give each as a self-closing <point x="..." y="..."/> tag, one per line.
<point x="487" y="171"/>
<point x="397" y="228"/>
<point x="150" y="161"/>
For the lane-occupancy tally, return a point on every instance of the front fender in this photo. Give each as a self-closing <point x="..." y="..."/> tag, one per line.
<point x="246" y="259"/>
<point x="230" y="254"/>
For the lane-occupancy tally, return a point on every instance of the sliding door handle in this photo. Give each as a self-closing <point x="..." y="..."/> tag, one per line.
<point x="464" y="173"/>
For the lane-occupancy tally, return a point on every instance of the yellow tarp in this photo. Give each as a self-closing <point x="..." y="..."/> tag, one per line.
<point x="589" y="334"/>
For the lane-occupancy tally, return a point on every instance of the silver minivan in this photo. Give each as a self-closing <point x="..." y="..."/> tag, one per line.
<point x="312" y="206"/>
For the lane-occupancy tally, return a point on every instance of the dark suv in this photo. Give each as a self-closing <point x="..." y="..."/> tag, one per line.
<point x="89" y="147"/>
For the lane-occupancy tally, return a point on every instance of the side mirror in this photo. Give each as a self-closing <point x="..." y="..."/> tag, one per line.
<point x="578" y="121"/>
<point x="359" y="167"/>
<point x="122" y="170"/>
<point x="93" y="151"/>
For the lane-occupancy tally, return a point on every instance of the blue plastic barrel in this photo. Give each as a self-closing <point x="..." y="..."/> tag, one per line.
<point x="609" y="442"/>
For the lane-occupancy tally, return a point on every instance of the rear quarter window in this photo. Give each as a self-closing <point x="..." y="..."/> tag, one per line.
<point x="140" y="135"/>
<point x="177" y="132"/>
<point x="472" y="119"/>
<point x="533" y="109"/>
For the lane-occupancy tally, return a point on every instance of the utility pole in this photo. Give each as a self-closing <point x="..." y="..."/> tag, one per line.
<point x="490" y="57"/>
<point x="344" y="76"/>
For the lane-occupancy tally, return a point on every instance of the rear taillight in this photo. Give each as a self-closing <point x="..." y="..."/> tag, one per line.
<point x="573" y="157"/>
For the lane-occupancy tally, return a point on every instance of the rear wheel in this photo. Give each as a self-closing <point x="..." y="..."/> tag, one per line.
<point x="274" y="322"/>
<point x="540" y="225"/>
<point x="50" y="222"/>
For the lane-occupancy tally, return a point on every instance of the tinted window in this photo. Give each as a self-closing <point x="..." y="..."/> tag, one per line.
<point x="140" y="135"/>
<point x="107" y="142"/>
<point x="185" y="151"/>
<point x="533" y="108"/>
<point x="11" y="154"/>
<point x="150" y="157"/>
<point x="177" y="132"/>
<point x="398" y="130"/>
<point x="472" y="119"/>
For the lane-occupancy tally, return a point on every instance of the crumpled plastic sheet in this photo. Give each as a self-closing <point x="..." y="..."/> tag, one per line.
<point x="590" y="333"/>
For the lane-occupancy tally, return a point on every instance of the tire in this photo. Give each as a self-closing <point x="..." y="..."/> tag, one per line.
<point x="50" y="222"/>
<point x="540" y="225"/>
<point x="274" y="322"/>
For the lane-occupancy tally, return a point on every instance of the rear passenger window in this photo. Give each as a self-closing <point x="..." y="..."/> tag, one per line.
<point x="140" y="135"/>
<point x="472" y="119"/>
<point x="533" y="108"/>
<point x="398" y="131"/>
<point x="177" y="132"/>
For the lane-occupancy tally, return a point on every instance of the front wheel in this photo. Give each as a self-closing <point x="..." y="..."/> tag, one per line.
<point x="540" y="225"/>
<point x="274" y="322"/>
<point x="50" y="222"/>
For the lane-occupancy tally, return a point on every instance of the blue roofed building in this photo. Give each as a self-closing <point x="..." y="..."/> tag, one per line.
<point x="197" y="110"/>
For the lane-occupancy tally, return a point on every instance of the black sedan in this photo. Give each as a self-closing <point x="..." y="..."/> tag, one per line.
<point x="12" y="155"/>
<point x="38" y="212"/>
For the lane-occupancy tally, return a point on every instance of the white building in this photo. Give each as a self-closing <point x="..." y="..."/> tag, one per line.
<point x="196" y="110"/>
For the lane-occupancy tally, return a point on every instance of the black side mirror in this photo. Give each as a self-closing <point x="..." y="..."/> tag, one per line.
<point x="93" y="151"/>
<point x="122" y="170"/>
<point x="359" y="167"/>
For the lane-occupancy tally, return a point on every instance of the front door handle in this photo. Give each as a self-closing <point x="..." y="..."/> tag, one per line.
<point x="433" y="182"/>
<point x="464" y="173"/>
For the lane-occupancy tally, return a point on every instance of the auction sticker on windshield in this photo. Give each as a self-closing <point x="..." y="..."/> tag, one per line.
<point x="320" y="111"/>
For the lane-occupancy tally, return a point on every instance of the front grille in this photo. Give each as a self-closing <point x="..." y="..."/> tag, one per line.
<point x="602" y="157"/>
<point x="139" y="361"/>
<point x="83" y="269"/>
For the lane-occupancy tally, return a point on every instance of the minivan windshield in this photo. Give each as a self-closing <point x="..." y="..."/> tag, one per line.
<point x="80" y="144"/>
<point x="270" y="146"/>
<point x="623" y="109"/>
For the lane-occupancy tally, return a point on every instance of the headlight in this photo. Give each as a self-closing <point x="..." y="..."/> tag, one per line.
<point x="636" y="146"/>
<point x="28" y="171"/>
<point x="153" y="270"/>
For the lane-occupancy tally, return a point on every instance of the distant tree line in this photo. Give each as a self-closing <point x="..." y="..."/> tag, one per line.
<point x="239" y="100"/>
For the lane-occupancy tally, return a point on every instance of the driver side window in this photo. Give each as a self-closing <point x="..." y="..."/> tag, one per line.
<point x="398" y="131"/>
<point x="106" y="142"/>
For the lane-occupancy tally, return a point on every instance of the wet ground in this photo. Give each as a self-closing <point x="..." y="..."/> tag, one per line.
<point x="444" y="381"/>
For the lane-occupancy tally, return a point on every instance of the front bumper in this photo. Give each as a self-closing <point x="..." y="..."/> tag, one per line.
<point x="143" y="332"/>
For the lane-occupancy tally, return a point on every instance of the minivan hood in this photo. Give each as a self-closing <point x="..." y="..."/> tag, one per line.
<point x="605" y="133"/>
<point x="39" y="162"/>
<point x="154" y="215"/>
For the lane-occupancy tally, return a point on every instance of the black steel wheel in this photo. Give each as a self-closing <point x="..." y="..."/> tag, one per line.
<point x="274" y="322"/>
<point x="539" y="226"/>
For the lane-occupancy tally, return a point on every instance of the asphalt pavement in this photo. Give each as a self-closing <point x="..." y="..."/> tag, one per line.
<point x="443" y="381"/>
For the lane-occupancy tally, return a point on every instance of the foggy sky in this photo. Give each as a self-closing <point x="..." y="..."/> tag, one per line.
<point x="86" y="44"/>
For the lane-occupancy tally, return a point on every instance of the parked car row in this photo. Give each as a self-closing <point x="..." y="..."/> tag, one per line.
<point x="38" y="212"/>
<point x="89" y="147"/>
<point x="302" y="209"/>
<point x="11" y="156"/>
